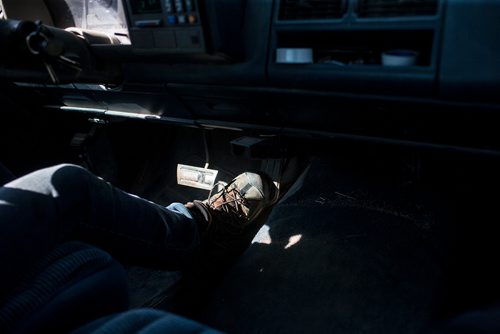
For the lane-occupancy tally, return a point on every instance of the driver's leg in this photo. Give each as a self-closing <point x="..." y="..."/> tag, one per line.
<point x="66" y="202"/>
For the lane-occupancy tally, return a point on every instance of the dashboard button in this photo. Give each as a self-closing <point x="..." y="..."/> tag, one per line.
<point x="179" y="6"/>
<point x="169" y="6"/>
<point x="192" y="19"/>
<point x="172" y="19"/>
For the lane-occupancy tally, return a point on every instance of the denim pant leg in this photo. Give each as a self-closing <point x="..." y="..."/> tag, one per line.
<point x="149" y="321"/>
<point x="66" y="202"/>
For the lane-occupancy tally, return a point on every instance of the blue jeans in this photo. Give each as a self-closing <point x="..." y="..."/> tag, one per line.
<point x="145" y="321"/>
<point x="66" y="202"/>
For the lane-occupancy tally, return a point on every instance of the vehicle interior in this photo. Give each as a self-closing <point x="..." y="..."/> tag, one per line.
<point x="375" y="118"/>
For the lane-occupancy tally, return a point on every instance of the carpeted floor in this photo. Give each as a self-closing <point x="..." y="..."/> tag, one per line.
<point x="337" y="255"/>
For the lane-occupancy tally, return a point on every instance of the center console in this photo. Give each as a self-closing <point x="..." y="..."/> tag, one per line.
<point x="166" y="26"/>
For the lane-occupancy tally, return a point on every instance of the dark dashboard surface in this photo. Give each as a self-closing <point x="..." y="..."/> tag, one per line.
<point x="297" y="66"/>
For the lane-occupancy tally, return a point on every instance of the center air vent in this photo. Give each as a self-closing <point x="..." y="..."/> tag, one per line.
<point x="397" y="8"/>
<point x="311" y="9"/>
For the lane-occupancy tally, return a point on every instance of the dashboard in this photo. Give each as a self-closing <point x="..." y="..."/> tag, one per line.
<point x="407" y="71"/>
<point x="171" y="26"/>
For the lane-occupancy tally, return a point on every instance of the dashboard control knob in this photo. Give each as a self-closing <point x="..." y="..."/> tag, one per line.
<point x="192" y="19"/>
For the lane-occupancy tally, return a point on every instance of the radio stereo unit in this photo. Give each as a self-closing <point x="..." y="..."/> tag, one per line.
<point x="166" y="26"/>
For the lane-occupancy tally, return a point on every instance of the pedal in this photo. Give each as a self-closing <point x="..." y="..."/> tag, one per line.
<point x="196" y="177"/>
<point x="260" y="147"/>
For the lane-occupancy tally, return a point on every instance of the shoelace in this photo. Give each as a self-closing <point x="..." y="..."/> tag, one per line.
<point x="227" y="199"/>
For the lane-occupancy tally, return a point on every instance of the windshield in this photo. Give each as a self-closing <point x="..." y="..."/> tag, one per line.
<point x="106" y="16"/>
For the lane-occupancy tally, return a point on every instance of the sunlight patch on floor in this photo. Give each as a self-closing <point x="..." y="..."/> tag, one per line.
<point x="293" y="240"/>
<point x="263" y="236"/>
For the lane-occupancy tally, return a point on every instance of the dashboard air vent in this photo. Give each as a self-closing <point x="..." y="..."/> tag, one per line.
<point x="397" y="8"/>
<point x="311" y="9"/>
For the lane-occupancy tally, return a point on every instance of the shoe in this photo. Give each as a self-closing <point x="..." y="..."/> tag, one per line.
<point x="227" y="222"/>
<point x="246" y="196"/>
<point x="232" y="207"/>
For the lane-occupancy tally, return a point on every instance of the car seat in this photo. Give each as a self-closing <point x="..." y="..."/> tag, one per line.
<point x="71" y="286"/>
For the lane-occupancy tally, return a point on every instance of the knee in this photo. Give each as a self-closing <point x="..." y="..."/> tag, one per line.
<point x="53" y="180"/>
<point x="69" y="176"/>
<point x="68" y="170"/>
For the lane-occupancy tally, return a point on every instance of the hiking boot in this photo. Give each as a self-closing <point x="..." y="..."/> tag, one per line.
<point x="245" y="196"/>
<point x="231" y="207"/>
<point x="226" y="224"/>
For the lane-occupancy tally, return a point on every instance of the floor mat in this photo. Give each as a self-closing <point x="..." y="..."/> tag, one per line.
<point x="150" y="288"/>
<point x="334" y="257"/>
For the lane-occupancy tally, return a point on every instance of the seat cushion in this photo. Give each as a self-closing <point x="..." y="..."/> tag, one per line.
<point x="74" y="284"/>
